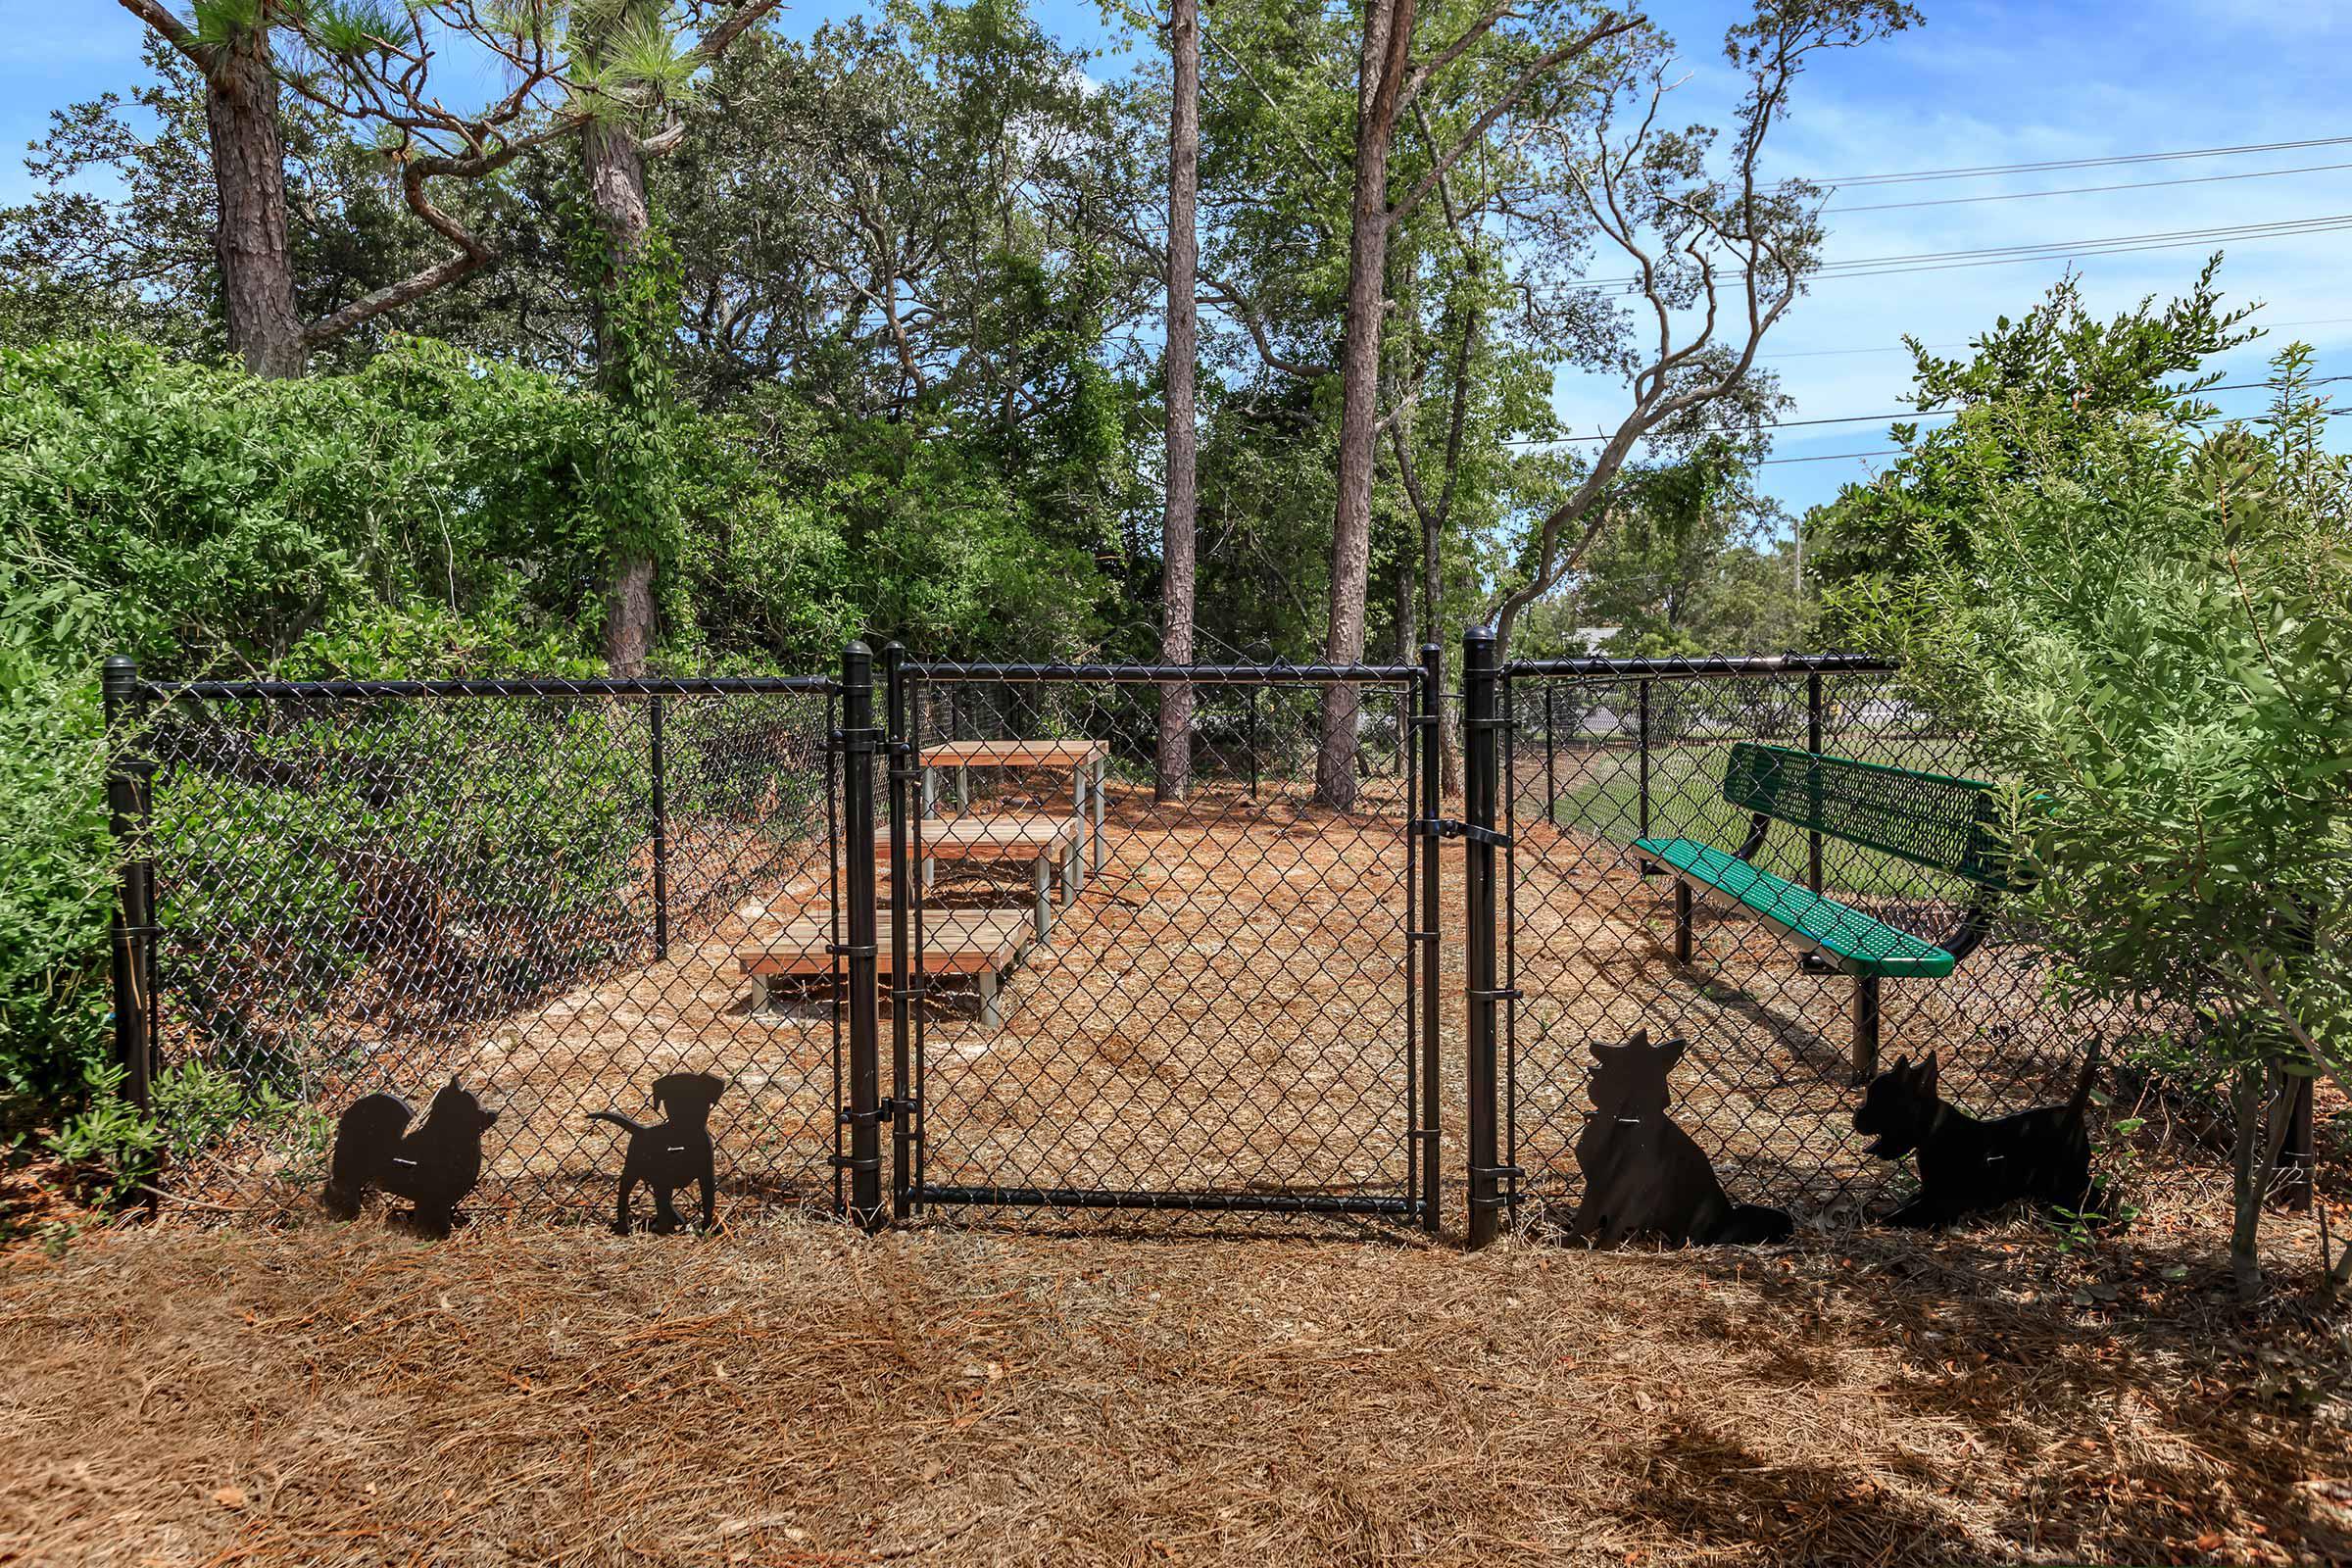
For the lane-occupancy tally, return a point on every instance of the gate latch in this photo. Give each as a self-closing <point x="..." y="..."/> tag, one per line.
<point x="1447" y="827"/>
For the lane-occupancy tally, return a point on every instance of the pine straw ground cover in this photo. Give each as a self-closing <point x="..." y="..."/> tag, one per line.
<point x="795" y="1394"/>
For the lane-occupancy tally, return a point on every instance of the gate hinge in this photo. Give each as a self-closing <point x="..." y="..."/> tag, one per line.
<point x="857" y="742"/>
<point x="1447" y="827"/>
<point x="852" y="950"/>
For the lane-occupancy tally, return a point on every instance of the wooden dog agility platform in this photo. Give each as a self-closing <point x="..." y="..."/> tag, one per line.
<point x="979" y="943"/>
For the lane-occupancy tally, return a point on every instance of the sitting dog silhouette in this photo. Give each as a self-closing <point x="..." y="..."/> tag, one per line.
<point x="434" y="1167"/>
<point x="669" y="1154"/>
<point x="1967" y="1165"/>
<point x="1643" y="1176"/>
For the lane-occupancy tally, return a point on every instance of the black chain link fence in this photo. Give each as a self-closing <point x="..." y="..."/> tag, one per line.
<point x="1065" y="991"/>
<point x="1595" y="760"/>
<point x="546" y="890"/>
<point x="1212" y="1002"/>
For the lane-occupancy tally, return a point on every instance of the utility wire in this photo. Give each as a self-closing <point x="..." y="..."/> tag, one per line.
<point x="2088" y="190"/>
<point x="2006" y="255"/>
<point x="1815" y="354"/>
<point x="1905" y="414"/>
<point x="1986" y="171"/>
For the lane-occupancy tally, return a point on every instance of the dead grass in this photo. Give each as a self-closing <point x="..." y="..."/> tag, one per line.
<point x="796" y="1394"/>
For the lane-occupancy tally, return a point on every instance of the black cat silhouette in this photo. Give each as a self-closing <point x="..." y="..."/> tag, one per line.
<point x="1967" y="1165"/>
<point x="667" y="1154"/>
<point x="1643" y="1176"/>
<point x="434" y="1167"/>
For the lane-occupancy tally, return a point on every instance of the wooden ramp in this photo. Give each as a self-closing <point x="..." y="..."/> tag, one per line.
<point x="979" y="943"/>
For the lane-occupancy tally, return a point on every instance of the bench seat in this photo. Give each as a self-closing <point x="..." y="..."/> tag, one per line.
<point x="1859" y="944"/>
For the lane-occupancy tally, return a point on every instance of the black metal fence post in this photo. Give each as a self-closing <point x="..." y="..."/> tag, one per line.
<point x="1813" y="745"/>
<point x="127" y="800"/>
<point x="906" y="775"/>
<point x="1433" y="807"/>
<point x="1254" y="743"/>
<point x="661" y="771"/>
<point x="2298" y="1154"/>
<point x="1642" y="722"/>
<point x="1552" y="782"/>
<point x="1480" y="730"/>
<point x="865" y="1110"/>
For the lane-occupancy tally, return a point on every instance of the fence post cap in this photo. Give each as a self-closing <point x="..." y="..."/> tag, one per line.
<point x="1478" y="634"/>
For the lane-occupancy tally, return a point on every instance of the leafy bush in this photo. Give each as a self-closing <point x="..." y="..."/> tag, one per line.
<point x="2150" y="631"/>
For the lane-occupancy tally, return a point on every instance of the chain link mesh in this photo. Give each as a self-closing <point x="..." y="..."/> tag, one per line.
<point x="543" y="889"/>
<point x="1213" y="1001"/>
<point x="1594" y="763"/>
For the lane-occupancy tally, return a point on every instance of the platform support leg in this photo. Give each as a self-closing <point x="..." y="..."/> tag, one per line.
<point x="1102" y="769"/>
<point x="1681" y="921"/>
<point x="1045" y="896"/>
<point x="989" y="1015"/>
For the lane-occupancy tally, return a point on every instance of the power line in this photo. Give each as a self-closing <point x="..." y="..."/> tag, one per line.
<point x="1837" y="456"/>
<point x="1905" y="414"/>
<point x="1897" y="348"/>
<point x="2088" y="190"/>
<point x="2009" y="255"/>
<point x="1986" y="171"/>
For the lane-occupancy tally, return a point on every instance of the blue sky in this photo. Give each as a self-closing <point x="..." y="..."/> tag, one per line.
<point x="1980" y="83"/>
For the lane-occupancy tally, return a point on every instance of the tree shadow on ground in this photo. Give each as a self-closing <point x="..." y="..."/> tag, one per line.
<point x="2184" y="1425"/>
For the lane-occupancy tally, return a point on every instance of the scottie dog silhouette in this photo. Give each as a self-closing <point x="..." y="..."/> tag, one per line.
<point x="1643" y="1176"/>
<point x="669" y="1154"/>
<point x="1967" y="1165"/>
<point x="434" y="1167"/>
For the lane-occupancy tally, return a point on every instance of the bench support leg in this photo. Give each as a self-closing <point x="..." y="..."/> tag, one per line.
<point x="758" y="994"/>
<point x="1681" y="921"/>
<point x="1045" y="896"/>
<point x="963" y="788"/>
<point x="990" y="1016"/>
<point x="1866" y="1027"/>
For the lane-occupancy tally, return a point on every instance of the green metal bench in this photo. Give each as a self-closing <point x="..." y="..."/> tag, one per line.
<point x="1945" y="824"/>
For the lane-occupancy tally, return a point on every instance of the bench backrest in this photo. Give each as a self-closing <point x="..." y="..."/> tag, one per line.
<point x="1930" y="819"/>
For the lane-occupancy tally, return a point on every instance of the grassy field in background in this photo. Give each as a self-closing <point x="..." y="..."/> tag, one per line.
<point x="1686" y="801"/>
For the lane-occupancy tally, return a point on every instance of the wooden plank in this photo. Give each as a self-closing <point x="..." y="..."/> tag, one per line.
<point x="955" y="942"/>
<point x="1014" y="753"/>
<point x="990" y="838"/>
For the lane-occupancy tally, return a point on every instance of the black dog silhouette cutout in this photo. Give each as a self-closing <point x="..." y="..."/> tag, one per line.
<point x="1643" y="1176"/>
<point x="1967" y="1165"/>
<point x="667" y="1154"/>
<point x="434" y="1167"/>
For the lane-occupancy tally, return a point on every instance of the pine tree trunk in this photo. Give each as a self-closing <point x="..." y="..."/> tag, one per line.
<point x="1387" y="35"/>
<point x="613" y="168"/>
<point x="257" y="260"/>
<point x="1178" y="575"/>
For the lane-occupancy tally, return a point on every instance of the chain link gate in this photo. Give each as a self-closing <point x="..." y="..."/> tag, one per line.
<point x="1100" y="1000"/>
<point x="553" y="891"/>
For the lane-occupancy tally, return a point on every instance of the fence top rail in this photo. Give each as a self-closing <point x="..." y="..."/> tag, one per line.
<point x="1276" y="674"/>
<point x="513" y="686"/>
<point x="1597" y="668"/>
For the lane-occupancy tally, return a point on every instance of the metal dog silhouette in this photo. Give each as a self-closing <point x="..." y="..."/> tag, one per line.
<point x="667" y="1154"/>
<point x="1643" y="1176"/>
<point x="434" y="1167"/>
<point x="1967" y="1165"/>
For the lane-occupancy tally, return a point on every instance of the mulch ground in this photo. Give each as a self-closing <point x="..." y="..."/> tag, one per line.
<point x="798" y="1393"/>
